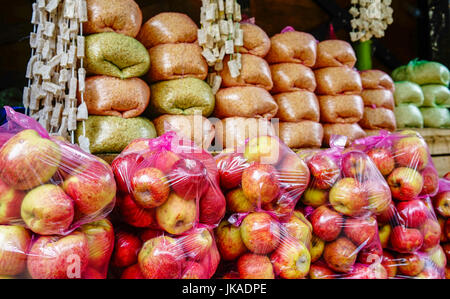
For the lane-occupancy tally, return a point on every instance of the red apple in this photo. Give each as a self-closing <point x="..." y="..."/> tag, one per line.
<point x="430" y="181"/>
<point x="197" y="244"/>
<point x="10" y="202"/>
<point x="27" y="160"/>
<point x="293" y="174"/>
<point x="92" y="273"/>
<point x="374" y="271"/>
<point x="383" y="159"/>
<point x="150" y="233"/>
<point x="447" y="229"/>
<point x="177" y="215"/>
<point x="229" y="241"/>
<point x="161" y="258"/>
<point x="100" y="238"/>
<point x="150" y="187"/>
<point x="410" y="264"/>
<point x="254" y="266"/>
<point x="283" y="206"/>
<point x="299" y="229"/>
<point x="446" y="248"/>
<point x="411" y="152"/>
<point x="92" y="189"/>
<point x="237" y="202"/>
<point x="230" y="167"/>
<point x="340" y="255"/>
<point x="52" y="257"/>
<point x="327" y="224"/>
<point x="321" y="271"/>
<point x="389" y="262"/>
<point x="263" y="149"/>
<point x="188" y="178"/>
<point x="14" y="242"/>
<point x="379" y="196"/>
<point x="315" y="197"/>
<point x="362" y="231"/>
<point x="371" y="253"/>
<point x="387" y="216"/>
<point x="212" y="206"/>
<point x="133" y="214"/>
<point x="405" y="183"/>
<point x="195" y="271"/>
<point x="122" y="167"/>
<point x="349" y="197"/>
<point x="355" y="165"/>
<point x="260" y="232"/>
<point x="406" y="240"/>
<point x="291" y="260"/>
<point x="132" y="272"/>
<point x="431" y="232"/>
<point x="260" y="184"/>
<point x="47" y="210"/>
<point x="412" y="213"/>
<point x="324" y="171"/>
<point x="441" y="203"/>
<point x="126" y="249"/>
<point x="165" y="160"/>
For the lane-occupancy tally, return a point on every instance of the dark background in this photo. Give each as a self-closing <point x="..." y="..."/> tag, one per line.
<point x="413" y="33"/>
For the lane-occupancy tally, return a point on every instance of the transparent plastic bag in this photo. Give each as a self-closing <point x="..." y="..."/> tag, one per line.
<point x="258" y="245"/>
<point x="176" y="61"/>
<point x="297" y="106"/>
<point x="436" y="95"/>
<point x="48" y="185"/>
<point x="109" y="96"/>
<point x="378" y="98"/>
<point x="293" y="46"/>
<point x="245" y="101"/>
<point x="408" y="93"/>
<point x="168" y="183"/>
<point x="341" y="109"/>
<point x="441" y="203"/>
<point x="289" y="77"/>
<point x="121" y="16"/>
<point x="256" y="41"/>
<point x="378" y="118"/>
<point x="408" y="116"/>
<point x="423" y="72"/>
<point x="255" y="72"/>
<point x="435" y="117"/>
<point x="304" y="134"/>
<point x="335" y="53"/>
<point x="168" y="28"/>
<point x="351" y="131"/>
<point x="154" y="254"/>
<point x="344" y="196"/>
<point x="412" y="230"/>
<point x="337" y="80"/>
<point x="376" y="79"/>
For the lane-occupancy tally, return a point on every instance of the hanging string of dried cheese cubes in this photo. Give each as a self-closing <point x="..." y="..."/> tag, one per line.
<point x="55" y="70"/>
<point x="220" y="35"/>
<point x="370" y="18"/>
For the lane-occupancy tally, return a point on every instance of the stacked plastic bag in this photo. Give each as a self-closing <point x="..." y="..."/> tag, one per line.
<point x="291" y="57"/>
<point x="54" y="200"/>
<point x="114" y="94"/>
<point x="338" y="89"/>
<point x="243" y="103"/>
<point x="378" y="97"/>
<point x="180" y="100"/>
<point x="409" y="230"/>
<point x="422" y="96"/>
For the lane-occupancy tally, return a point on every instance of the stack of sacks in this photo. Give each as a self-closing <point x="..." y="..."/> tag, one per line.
<point x="291" y="56"/>
<point x="338" y="88"/>
<point x="114" y="95"/>
<point x="176" y="75"/>
<point x="244" y="103"/>
<point x="423" y="84"/>
<point x="378" y="97"/>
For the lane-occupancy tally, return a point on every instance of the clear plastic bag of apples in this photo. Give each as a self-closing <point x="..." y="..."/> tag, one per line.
<point x="52" y="195"/>
<point x="441" y="203"/>
<point x="264" y="235"/>
<point x="409" y="230"/>
<point x="171" y="187"/>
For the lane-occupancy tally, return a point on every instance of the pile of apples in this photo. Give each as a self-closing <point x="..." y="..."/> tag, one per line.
<point x="153" y="254"/>
<point x="51" y="186"/>
<point x="409" y="230"/>
<point x="441" y="204"/>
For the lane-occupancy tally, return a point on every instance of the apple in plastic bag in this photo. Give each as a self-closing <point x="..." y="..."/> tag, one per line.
<point x="389" y="262"/>
<point x="384" y="234"/>
<point x="298" y="229"/>
<point x="52" y="257"/>
<point x="197" y="244"/>
<point x="100" y="238"/>
<point x="260" y="183"/>
<point x="431" y="232"/>
<point x="361" y="231"/>
<point x="383" y="160"/>
<point x="229" y="241"/>
<point x="325" y="172"/>
<point x="237" y="202"/>
<point x="195" y="271"/>
<point x="14" y="242"/>
<point x="430" y="181"/>
<point x="327" y="223"/>
<point x="27" y="160"/>
<point x="291" y="260"/>
<point x="212" y="206"/>
<point x="349" y="197"/>
<point x="230" y="167"/>
<point x="161" y="258"/>
<point x="374" y="271"/>
<point x="406" y="240"/>
<point x="321" y="271"/>
<point x="177" y="215"/>
<point x="126" y="248"/>
<point x="188" y="178"/>
<point x="263" y="149"/>
<point x="47" y="210"/>
<point x="92" y="188"/>
<point x="412" y="213"/>
<point x="405" y="183"/>
<point x="293" y="174"/>
<point x="411" y="152"/>
<point x="132" y="272"/>
<point x="150" y="187"/>
<point x="315" y="197"/>
<point x="133" y="214"/>
<point x="441" y="203"/>
<point x="10" y="202"/>
<point x="260" y="232"/>
<point x="340" y="255"/>
<point x="122" y="167"/>
<point x="317" y="248"/>
<point x="254" y="266"/>
<point x="410" y="264"/>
